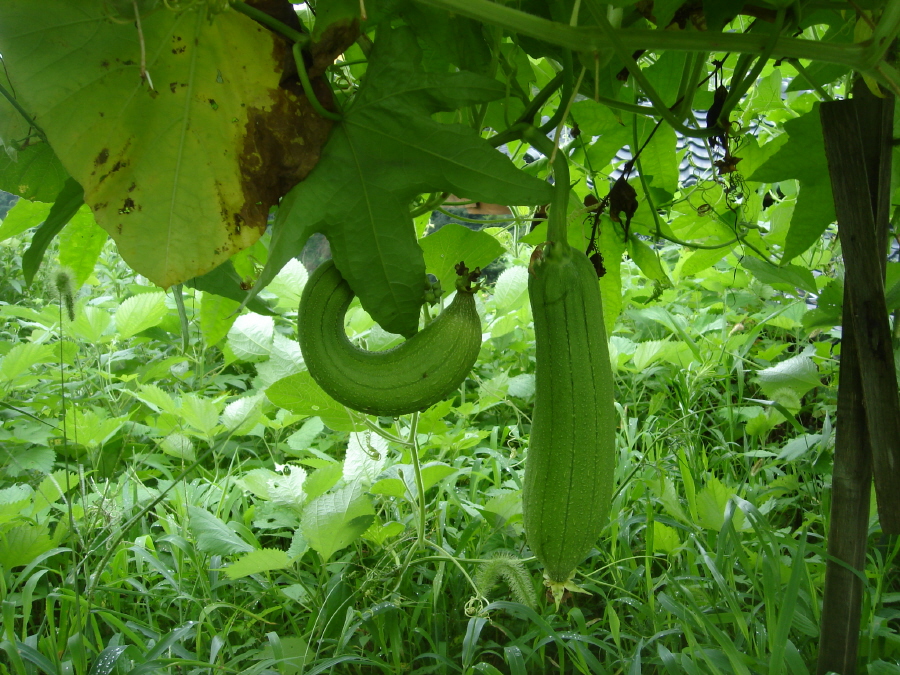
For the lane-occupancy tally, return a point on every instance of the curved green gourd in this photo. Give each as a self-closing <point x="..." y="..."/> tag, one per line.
<point x="423" y="370"/>
<point x="571" y="452"/>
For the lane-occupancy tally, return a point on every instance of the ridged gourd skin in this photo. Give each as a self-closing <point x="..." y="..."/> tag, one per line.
<point x="416" y="374"/>
<point x="571" y="453"/>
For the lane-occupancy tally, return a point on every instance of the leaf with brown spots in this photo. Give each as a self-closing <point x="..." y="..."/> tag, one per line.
<point x="182" y="176"/>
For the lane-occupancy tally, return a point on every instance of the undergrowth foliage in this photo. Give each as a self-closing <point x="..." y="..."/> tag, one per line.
<point x="177" y="515"/>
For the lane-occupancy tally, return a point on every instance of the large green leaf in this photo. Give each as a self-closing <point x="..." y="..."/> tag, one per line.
<point x="182" y="174"/>
<point x="387" y="150"/>
<point x="802" y="158"/>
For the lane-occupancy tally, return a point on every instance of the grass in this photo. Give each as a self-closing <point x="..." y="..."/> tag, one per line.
<point x="712" y="562"/>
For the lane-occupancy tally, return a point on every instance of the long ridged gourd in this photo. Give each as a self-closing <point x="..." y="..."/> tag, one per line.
<point x="571" y="452"/>
<point x="416" y="374"/>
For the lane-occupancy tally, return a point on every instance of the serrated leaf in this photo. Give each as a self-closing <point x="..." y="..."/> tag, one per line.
<point x="511" y="289"/>
<point x="22" y="544"/>
<point x="452" y="244"/>
<point x="255" y="562"/>
<point x="242" y="412"/>
<point x="288" y="284"/>
<point x="257" y="481"/>
<point x="36" y="459"/>
<point x="335" y="519"/>
<point x="199" y="412"/>
<point x="140" y="312"/>
<point x="156" y="398"/>
<point x="288" y="489"/>
<point x="217" y="316"/>
<point x="251" y="335"/>
<point x="386" y="150"/>
<point x="214" y="536"/>
<point x="365" y="459"/>
<point x="379" y="532"/>
<point x="322" y="480"/>
<point x="302" y="439"/>
<point x="22" y="357"/>
<point x="178" y="445"/>
<point x="665" y="538"/>
<point x="92" y="324"/>
<point x="711" y="502"/>
<point x="91" y="427"/>
<point x="521" y="386"/>
<point x="389" y="487"/>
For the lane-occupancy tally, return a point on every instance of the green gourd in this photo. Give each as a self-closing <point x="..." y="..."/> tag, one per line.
<point x="418" y="373"/>
<point x="571" y="452"/>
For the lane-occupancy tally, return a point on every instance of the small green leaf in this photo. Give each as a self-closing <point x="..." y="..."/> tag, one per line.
<point x="80" y="244"/>
<point x="22" y="357"/>
<point x="214" y="536"/>
<point x="665" y="538"/>
<point x="22" y="217"/>
<point x="255" y="562"/>
<point x="648" y="261"/>
<point x="68" y="201"/>
<point x="452" y="244"/>
<point x="334" y="520"/>
<point x="22" y="544"/>
<point x="379" y="532"/>
<point x="92" y="324"/>
<point x="798" y="373"/>
<point x="793" y="276"/>
<point x="389" y="487"/>
<point x="140" y="312"/>
<point x="302" y="396"/>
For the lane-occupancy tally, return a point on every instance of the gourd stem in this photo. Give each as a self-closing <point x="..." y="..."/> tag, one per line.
<point x="307" y="86"/>
<point x="270" y="22"/>
<point x="556" y="220"/>
<point x="420" y="483"/>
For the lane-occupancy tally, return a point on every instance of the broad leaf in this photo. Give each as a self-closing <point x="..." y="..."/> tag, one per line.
<point x="302" y="396"/>
<point x="803" y="158"/>
<point x="387" y="150"/>
<point x="180" y="161"/>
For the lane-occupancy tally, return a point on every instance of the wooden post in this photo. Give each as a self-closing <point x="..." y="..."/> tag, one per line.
<point x="857" y="142"/>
